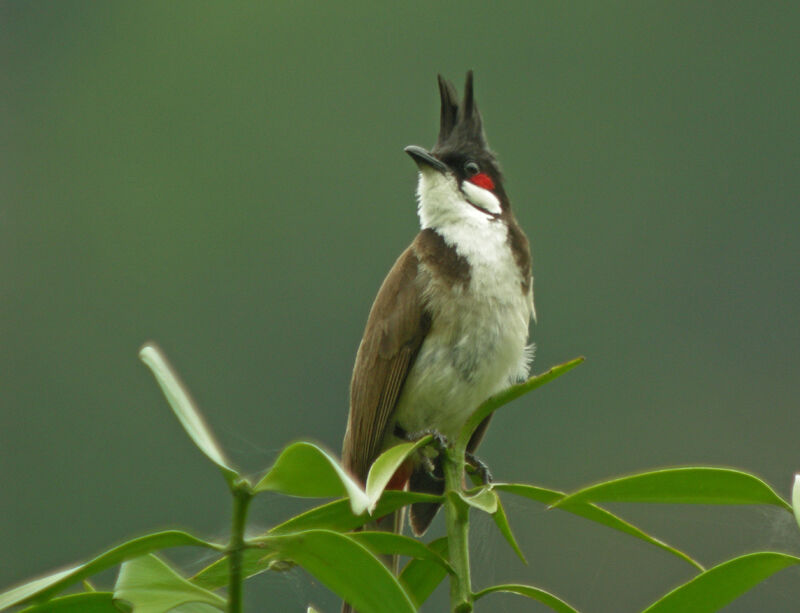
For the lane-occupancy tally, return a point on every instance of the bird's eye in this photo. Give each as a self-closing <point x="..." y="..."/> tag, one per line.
<point x="471" y="168"/>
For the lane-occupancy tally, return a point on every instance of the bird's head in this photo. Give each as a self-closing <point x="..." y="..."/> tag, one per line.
<point x="460" y="176"/>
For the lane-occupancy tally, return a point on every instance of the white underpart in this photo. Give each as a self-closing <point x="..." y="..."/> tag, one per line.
<point x="477" y="344"/>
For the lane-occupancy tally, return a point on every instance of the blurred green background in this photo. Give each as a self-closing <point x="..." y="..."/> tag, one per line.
<point x="228" y="179"/>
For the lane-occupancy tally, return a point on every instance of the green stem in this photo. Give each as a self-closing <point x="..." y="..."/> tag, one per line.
<point x="457" y="518"/>
<point x="242" y="495"/>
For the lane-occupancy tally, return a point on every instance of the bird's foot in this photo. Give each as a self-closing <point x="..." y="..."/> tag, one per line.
<point x="439" y="441"/>
<point x="477" y="467"/>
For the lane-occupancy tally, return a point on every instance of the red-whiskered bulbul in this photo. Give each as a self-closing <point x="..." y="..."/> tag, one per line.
<point x="449" y="326"/>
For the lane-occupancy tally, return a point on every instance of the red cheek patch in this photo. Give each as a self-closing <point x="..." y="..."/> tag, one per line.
<point x="482" y="180"/>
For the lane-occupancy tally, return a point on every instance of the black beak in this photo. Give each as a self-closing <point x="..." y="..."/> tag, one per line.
<point x="423" y="158"/>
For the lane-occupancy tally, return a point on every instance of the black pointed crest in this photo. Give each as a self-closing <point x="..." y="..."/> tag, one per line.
<point x="449" y="108"/>
<point x="459" y="124"/>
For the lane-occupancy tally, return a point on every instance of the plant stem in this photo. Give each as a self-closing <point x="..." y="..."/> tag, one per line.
<point x="242" y="495"/>
<point x="457" y="518"/>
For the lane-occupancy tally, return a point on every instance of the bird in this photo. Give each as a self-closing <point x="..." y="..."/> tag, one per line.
<point x="449" y="326"/>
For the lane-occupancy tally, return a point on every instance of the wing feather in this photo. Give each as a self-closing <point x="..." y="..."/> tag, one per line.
<point x="396" y="327"/>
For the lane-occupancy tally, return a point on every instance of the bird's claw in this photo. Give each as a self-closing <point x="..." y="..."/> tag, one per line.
<point x="439" y="441"/>
<point x="478" y="467"/>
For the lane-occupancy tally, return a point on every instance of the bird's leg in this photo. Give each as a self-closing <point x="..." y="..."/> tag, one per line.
<point x="439" y="442"/>
<point x="476" y="466"/>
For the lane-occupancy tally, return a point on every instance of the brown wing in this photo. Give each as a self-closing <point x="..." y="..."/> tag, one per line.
<point x="395" y="330"/>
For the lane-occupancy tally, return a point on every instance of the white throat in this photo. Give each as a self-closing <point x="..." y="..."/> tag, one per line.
<point x="442" y="203"/>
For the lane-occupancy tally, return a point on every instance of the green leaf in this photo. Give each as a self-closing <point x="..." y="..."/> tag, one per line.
<point x="512" y="393"/>
<point x="185" y="409"/>
<point x="501" y="520"/>
<point x="716" y="587"/>
<point x="215" y="576"/>
<point x="390" y="543"/>
<point x="384" y="467"/>
<point x="54" y="581"/>
<point x="303" y="469"/>
<point x="796" y="498"/>
<point x="339" y="517"/>
<point x="534" y="593"/>
<point x="46" y="587"/>
<point x="421" y="577"/>
<point x="484" y="500"/>
<point x="694" y="485"/>
<point x="151" y="586"/>
<point x="534" y="492"/>
<point x="90" y="602"/>
<point x="592" y="513"/>
<point x="344" y="566"/>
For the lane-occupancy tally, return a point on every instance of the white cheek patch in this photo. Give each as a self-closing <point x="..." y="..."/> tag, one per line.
<point x="482" y="198"/>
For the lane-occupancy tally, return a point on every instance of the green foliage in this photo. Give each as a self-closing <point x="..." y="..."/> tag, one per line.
<point x="254" y="561"/>
<point x="554" y="602"/>
<point x="337" y="515"/>
<point x="484" y="500"/>
<point x="391" y="543"/>
<point x="46" y="587"/>
<point x="185" y="409"/>
<point x="716" y="587"/>
<point x="507" y="395"/>
<point x="590" y="512"/>
<point x="501" y="521"/>
<point x="89" y="602"/>
<point x="328" y="540"/>
<point x="420" y="577"/>
<point x="303" y="469"/>
<point x="344" y="565"/>
<point x="692" y="485"/>
<point x="151" y="586"/>
<point x="386" y="464"/>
